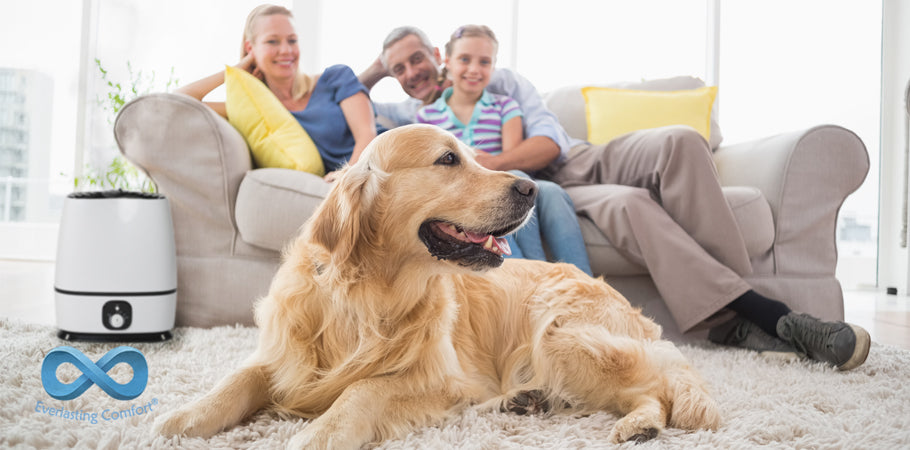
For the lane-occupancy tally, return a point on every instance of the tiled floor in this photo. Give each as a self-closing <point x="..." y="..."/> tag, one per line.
<point x="27" y="293"/>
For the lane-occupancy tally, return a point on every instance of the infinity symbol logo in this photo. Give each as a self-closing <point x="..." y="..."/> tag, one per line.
<point x="94" y="373"/>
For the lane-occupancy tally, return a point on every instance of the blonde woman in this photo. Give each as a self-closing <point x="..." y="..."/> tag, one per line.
<point x="333" y="107"/>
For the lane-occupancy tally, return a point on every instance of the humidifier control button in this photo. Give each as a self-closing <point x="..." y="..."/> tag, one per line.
<point x="116" y="315"/>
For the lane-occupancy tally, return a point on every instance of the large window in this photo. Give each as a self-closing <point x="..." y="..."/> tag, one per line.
<point x="788" y="65"/>
<point x="577" y="42"/>
<point x="783" y="65"/>
<point x="351" y="32"/>
<point x="39" y="88"/>
<point x="154" y="47"/>
<point x="574" y="42"/>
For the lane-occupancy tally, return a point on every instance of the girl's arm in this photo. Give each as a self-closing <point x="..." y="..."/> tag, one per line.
<point x="512" y="134"/>
<point x="359" y="115"/>
<point x="510" y="158"/>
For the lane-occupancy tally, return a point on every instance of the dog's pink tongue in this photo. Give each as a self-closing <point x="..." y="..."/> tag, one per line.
<point x="489" y="242"/>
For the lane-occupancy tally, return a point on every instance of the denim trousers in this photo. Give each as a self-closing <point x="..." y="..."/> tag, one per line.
<point x="554" y="223"/>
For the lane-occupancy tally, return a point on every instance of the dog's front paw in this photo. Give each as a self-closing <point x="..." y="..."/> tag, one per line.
<point x="188" y="422"/>
<point x="635" y="428"/>
<point x="316" y="437"/>
<point x="299" y="441"/>
<point x="320" y="434"/>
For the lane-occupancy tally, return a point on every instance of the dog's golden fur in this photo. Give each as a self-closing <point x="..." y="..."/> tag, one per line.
<point x="369" y="335"/>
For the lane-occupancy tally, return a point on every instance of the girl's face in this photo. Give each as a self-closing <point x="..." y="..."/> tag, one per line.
<point x="274" y="46"/>
<point x="471" y="64"/>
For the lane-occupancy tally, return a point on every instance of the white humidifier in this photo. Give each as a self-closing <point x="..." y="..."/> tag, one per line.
<point x="116" y="273"/>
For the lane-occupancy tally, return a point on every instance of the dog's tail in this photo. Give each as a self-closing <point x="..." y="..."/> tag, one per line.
<point x="692" y="407"/>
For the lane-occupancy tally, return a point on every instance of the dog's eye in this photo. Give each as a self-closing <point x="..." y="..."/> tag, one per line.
<point x="448" y="159"/>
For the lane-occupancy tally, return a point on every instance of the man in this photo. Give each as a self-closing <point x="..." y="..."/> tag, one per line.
<point x="654" y="194"/>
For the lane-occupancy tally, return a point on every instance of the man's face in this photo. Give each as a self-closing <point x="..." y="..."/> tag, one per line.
<point x="413" y="65"/>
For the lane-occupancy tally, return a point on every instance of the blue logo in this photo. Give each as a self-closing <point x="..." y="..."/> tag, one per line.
<point x="94" y="373"/>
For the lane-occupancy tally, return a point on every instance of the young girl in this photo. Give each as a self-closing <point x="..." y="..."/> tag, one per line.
<point x="333" y="108"/>
<point x="492" y="123"/>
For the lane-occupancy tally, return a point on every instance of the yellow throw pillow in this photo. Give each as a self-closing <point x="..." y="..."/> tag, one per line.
<point x="275" y="137"/>
<point x="613" y="112"/>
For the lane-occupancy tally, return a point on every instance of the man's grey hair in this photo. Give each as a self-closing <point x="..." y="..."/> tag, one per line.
<point x="401" y="33"/>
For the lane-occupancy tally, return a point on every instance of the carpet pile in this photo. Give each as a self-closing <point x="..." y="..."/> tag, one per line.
<point x="764" y="403"/>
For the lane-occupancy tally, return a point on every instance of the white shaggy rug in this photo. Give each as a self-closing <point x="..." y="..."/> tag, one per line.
<point x="773" y="404"/>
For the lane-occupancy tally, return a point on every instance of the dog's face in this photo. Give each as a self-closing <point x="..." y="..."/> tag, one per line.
<point x="417" y="191"/>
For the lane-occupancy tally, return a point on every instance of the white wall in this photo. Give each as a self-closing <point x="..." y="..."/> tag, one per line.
<point x="893" y="259"/>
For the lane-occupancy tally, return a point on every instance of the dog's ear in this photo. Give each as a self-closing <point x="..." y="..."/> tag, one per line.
<point x="337" y="223"/>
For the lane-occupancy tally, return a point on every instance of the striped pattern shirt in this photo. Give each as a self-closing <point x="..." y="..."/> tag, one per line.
<point x="484" y="131"/>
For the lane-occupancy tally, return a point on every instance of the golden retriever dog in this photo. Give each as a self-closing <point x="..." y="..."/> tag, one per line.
<point x="394" y="309"/>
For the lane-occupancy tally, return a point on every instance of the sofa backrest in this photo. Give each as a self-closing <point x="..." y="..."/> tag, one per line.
<point x="196" y="159"/>
<point x="569" y="105"/>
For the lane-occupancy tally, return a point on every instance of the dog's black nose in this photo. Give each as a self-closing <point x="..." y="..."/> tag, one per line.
<point x="526" y="188"/>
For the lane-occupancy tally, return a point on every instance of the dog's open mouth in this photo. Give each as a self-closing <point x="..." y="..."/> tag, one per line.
<point x="470" y="248"/>
<point x="489" y="242"/>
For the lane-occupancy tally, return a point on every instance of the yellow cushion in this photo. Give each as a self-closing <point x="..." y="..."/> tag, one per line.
<point x="275" y="137"/>
<point x="613" y="112"/>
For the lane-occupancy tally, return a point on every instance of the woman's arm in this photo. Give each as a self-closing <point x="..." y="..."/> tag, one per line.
<point x="359" y="115"/>
<point x="200" y="88"/>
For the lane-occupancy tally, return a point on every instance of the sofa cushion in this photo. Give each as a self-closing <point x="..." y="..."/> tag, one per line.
<point x="272" y="205"/>
<point x="752" y="213"/>
<point x="611" y="112"/>
<point x="569" y="105"/>
<point x="275" y="137"/>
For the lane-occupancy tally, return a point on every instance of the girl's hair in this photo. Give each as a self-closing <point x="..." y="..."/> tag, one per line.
<point x="471" y="31"/>
<point x="304" y="83"/>
<point x="462" y="32"/>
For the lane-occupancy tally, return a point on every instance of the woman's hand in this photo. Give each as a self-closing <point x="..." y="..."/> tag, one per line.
<point x="248" y="63"/>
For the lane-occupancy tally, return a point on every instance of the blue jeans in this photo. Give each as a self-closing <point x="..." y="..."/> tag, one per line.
<point x="554" y="222"/>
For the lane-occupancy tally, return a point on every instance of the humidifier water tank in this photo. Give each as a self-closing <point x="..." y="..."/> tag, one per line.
<point x="116" y="271"/>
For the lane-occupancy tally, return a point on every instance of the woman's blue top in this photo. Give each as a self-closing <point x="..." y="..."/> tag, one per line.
<point x="323" y="119"/>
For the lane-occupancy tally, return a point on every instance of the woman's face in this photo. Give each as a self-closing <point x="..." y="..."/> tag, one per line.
<point x="274" y="46"/>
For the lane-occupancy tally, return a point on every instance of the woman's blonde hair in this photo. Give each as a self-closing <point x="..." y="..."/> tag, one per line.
<point x="303" y="83"/>
<point x="462" y="32"/>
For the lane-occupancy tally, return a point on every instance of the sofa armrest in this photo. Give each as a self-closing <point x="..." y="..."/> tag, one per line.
<point x="805" y="176"/>
<point x="196" y="159"/>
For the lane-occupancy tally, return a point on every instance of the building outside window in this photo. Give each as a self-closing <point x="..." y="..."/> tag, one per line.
<point x="25" y="129"/>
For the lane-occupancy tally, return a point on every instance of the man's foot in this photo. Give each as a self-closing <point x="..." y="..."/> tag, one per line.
<point x="840" y="344"/>
<point x="742" y="333"/>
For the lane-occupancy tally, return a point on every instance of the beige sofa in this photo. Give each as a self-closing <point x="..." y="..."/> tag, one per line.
<point x="231" y="220"/>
